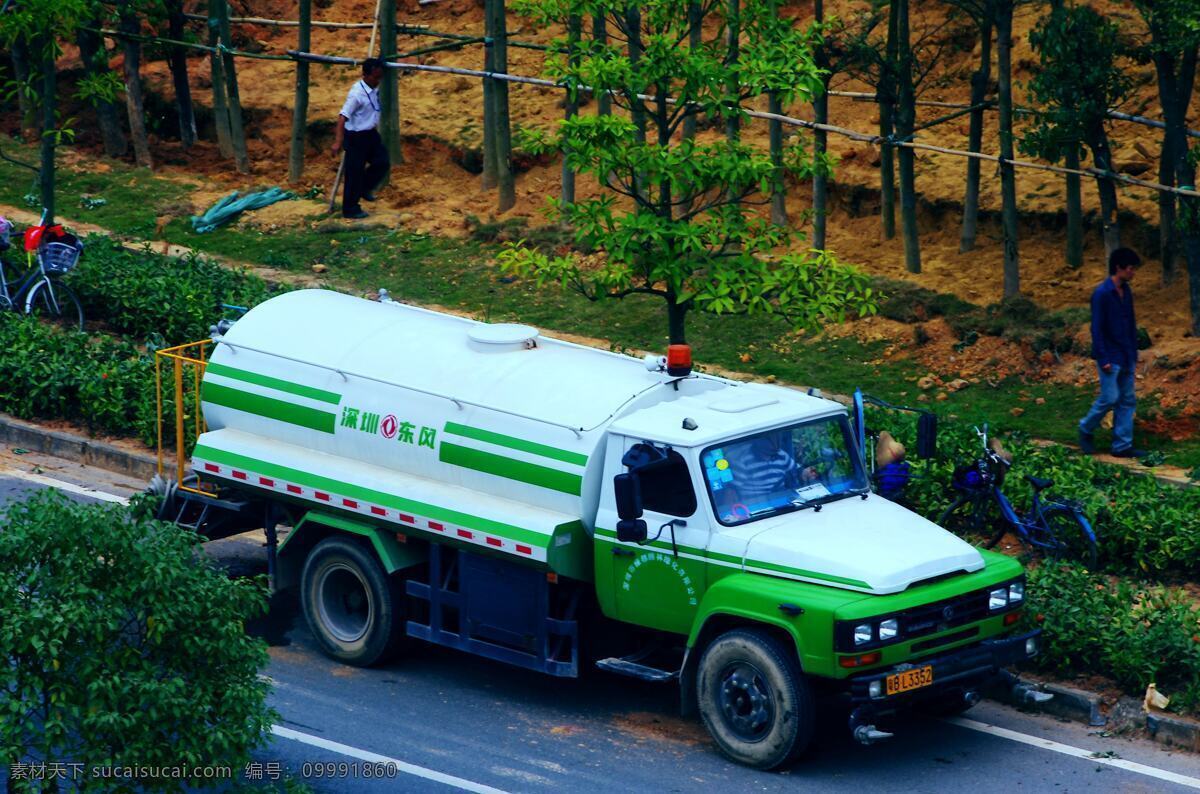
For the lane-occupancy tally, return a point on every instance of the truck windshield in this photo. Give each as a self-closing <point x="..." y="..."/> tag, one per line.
<point x="781" y="470"/>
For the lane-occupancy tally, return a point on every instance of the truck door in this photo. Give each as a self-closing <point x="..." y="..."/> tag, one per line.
<point x="659" y="583"/>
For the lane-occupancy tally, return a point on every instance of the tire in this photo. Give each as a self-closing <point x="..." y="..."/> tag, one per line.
<point x="754" y="700"/>
<point x="55" y="302"/>
<point x="975" y="514"/>
<point x="1068" y="535"/>
<point x="354" y="609"/>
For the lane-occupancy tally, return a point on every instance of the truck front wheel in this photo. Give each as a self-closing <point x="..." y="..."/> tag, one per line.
<point x="754" y="700"/>
<point x="353" y="609"/>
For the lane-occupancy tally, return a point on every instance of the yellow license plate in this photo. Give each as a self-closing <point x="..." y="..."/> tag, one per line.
<point x="909" y="679"/>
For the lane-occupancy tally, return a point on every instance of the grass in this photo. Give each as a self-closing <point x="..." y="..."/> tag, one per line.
<point x="460" y="275"/>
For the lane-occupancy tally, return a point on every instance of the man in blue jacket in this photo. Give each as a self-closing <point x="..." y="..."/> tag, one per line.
<point x="1114" y="346"/>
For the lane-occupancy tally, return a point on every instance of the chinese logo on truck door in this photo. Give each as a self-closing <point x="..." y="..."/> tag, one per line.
<point x="389" y="427"/>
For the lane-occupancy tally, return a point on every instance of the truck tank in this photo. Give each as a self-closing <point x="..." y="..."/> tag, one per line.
<point x="491" y="434"/>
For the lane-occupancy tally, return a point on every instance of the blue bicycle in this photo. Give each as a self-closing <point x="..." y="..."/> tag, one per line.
<point x="50" y="253"/>
<point x="1057" y="527"/>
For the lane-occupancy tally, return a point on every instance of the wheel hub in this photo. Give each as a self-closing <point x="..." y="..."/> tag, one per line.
<point x="747" y="701"/>
<point x="344" y="603"/>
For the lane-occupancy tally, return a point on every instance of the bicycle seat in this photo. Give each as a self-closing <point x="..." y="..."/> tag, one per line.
<point x="1038" y="483"/>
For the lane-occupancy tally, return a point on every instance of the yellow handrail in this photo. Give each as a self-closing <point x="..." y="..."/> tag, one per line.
<point x="191" y="354"/>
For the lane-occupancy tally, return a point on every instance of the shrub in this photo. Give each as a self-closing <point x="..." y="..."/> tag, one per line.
<point x="907" y="303"/>
<point x="121" y="644"/>
<point x="1135" y="634"/>
<point x="1019" y="319"/>
<point x="142" y="293"/>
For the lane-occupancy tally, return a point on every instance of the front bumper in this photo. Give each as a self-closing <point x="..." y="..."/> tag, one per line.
<point x="953" y="672"/>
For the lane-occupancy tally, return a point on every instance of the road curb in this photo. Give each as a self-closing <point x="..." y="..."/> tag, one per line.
<point x="79" y="449"/>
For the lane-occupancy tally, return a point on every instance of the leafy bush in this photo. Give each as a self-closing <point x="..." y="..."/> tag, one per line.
<point x="145" y="294"/>
<point x="906" y="302"/>
<point x="1019" y="319"/>
<point x="120" y="644"/>
<point x="1134" y="634"/>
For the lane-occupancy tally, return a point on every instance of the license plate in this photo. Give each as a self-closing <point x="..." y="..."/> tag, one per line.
<point x="909" y="679"/>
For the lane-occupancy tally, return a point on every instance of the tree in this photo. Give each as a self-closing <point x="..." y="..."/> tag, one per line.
<point x="99" y="86"/>
<point x="497" y="129"/>
<point x="35" y="28"/>
<point x="676" y="220"/>
<point x="179" y="74"/>
<point x="1078" y="79"/>
<point x="906" y="122"/>
<point x="121" y="644"/>
<point x="1173" y="47"/>
<point x="130" y="24"/>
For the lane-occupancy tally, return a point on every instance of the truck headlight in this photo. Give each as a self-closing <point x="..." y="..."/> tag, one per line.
<point x="863" y="634"/>
<point x="1016" y="592"/>
<point x="1031" y="647"/>
<point x="888" y="629"/>
<point x="997" y="599"/>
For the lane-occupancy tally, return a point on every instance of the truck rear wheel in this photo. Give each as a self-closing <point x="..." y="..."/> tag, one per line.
<point x="754" y="700"/>
<point x="353" y="608"/>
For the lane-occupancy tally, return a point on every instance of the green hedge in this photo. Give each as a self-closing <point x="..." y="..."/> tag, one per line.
<point x="147" y="295"/>
<point x="1133" y="633"/>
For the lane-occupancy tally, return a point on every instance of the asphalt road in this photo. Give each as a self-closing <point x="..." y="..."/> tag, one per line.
<point x="449" y="721"/>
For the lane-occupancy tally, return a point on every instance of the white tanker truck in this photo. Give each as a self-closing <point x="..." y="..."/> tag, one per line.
<point x="490" y="489"/>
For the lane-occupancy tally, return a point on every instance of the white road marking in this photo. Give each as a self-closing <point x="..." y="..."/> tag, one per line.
<point x="41" y="479"/>
<point x="403" y="766"/>
<point x="1077" y="752"/>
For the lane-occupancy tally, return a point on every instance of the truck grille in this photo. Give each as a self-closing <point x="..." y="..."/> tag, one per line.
<point x="942" y="615"/>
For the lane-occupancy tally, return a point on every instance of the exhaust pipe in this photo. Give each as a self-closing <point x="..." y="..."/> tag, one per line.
<point x="864" y="733"/>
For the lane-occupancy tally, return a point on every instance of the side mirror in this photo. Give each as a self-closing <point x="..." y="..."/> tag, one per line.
<point x="631" y="531"/>
<point x="627" y="489"/>
<point x="927" y="435"/>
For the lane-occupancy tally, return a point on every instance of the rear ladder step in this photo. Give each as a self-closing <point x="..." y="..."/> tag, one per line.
<point x="634" y="670"/>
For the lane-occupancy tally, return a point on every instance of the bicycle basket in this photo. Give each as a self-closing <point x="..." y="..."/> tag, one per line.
<point x="60" y="257"/>
<point x="969" y="478"/>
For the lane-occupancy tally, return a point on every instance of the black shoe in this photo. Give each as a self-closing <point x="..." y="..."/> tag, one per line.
<point x="1087" y="443"/>
<point x="1130" y="452"/>
<point x="368" y="196"/>
<point x="355" y="215"/>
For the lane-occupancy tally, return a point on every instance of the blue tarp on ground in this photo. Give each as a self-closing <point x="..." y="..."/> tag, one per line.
<point x="234" y="205"/>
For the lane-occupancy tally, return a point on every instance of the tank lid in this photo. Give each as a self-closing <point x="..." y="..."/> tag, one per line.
<point x="504" y="336"/>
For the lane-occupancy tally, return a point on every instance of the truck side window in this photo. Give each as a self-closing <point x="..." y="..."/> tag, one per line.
<point x="667" y="487"/>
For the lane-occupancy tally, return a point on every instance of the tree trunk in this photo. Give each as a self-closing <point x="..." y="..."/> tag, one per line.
<point x="503" y="131"/>
<point x="695" y="41"/>
<point x="1191" y="245"/>
<point x="574" y="32"/>
<point x="179" y="75"/>
<point x="1102" y="157"/>
<point x="95" y="62"/>
<point x="1167" y="234"/>
<point x="25" y="104"/>
<point x="779" y="214"/>
<point x="885" y="96"/>
<point x="1176" y="83"/>
<point x="217" y="75"/>
<point x="300" y="106"/>
<point x="49" y="138"/>
<point x="389" y="94"/>
<point x="820" y="177"/>
<point x="237" y="134"/>
<point x="979" y="85"/>
<point x="1074" y="209"/>
<point x="489" y="178"/>
<point x="1189" y="208"/>
<point x="733" y="32"/>
<point x="133" y="87"/>
<point x="676" y="314"/>
<point x="1008" y="178"/>
<point x="600" y="35"/>
<point x="906" y="118"/>
<point x="633" y="29"/>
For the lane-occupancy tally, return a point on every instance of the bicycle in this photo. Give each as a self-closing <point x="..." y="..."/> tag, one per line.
<point x="50" y="253"/>
<point x="1055" y="526"/>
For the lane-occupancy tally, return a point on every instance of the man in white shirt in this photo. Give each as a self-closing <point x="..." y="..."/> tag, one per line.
<point x="366" y="156"/>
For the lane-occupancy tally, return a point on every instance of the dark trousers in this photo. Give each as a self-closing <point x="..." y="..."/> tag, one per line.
<point x="366" y="164"/>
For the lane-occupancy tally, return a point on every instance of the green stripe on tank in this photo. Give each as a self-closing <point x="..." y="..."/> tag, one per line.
<point x="268" y="407"/>
<point x="274" y="383"/>
<point x="608" y="534"/>
<point x="501" y="440"/>
<point x="381" y="498"/>
<point x="508" y="468"/>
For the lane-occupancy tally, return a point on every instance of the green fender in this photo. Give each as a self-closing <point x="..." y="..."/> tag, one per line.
<point x="315" y="526"/>
<point x="743" y="598"/>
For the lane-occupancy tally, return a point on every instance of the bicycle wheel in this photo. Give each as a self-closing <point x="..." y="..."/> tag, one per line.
<point x="54" y="301"/>
<point x="975" y="514"/>
<point x="1068" y="535"/>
